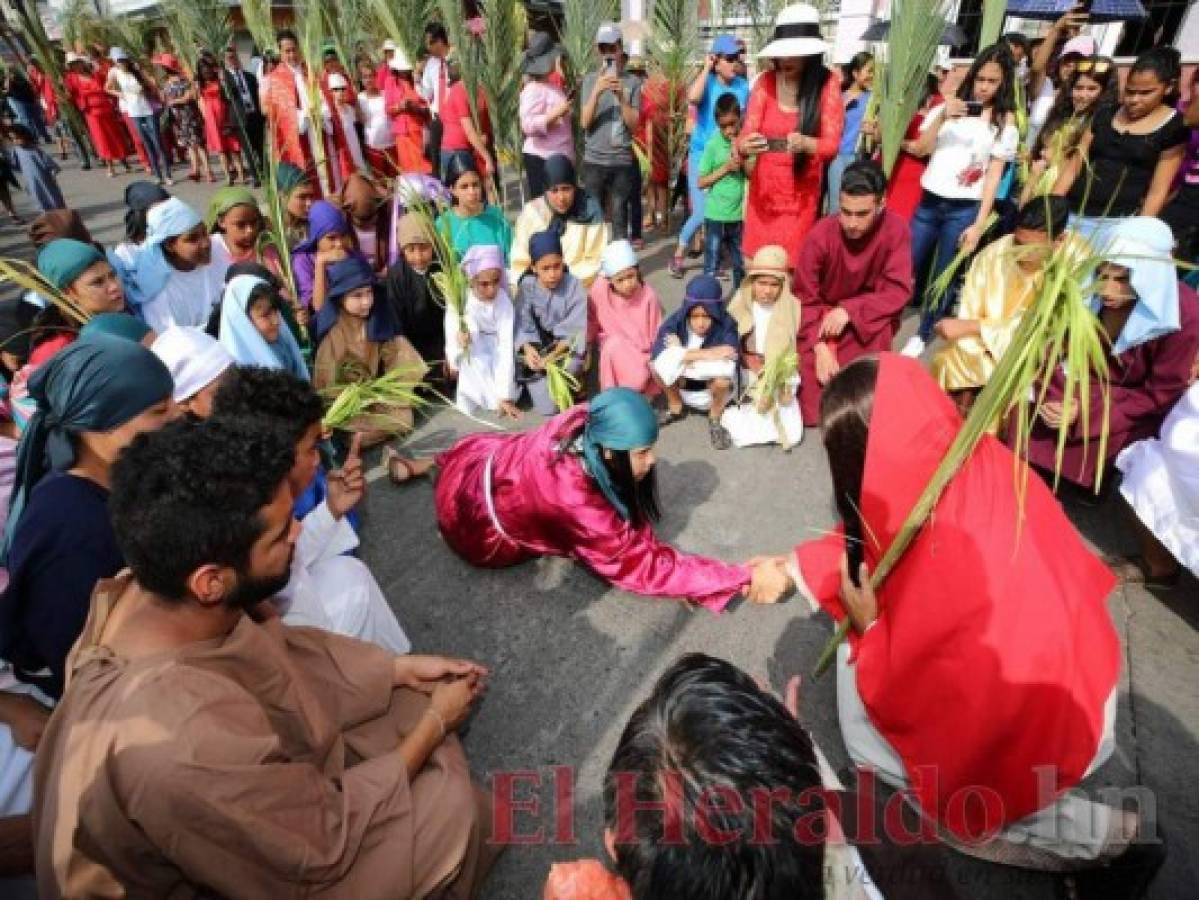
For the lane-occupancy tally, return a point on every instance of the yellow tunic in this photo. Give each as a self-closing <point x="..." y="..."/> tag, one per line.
<point x="582" y="245"/>
<point x="995" y="294"/>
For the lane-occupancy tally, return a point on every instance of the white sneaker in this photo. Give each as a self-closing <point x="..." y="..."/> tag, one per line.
<point x="914" y="347"/>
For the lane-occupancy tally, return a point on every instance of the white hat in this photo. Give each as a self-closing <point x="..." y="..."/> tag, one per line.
<point x="389" y="45"/>
<point x="941" y="61"/>
<point x="195" y="359"/>
<point x="608" y="34"/>
<point x="73" y="57"/>
<point x="116" y="53"/>
<point x="618" y="256"/>
<point x="337" y="80"/>
<point x="399" y="62"/>
<point x="796" y="33"/>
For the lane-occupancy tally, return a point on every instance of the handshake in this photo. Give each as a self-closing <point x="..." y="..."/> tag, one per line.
<point x="769" y="581"/>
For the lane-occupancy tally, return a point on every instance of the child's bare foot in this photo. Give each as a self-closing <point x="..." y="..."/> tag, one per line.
<point x="401" y="469"/>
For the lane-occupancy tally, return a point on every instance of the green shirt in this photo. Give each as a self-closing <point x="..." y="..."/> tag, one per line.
<point x="726" y="198"/>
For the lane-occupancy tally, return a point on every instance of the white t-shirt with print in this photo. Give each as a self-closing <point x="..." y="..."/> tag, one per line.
<point x="965" y="147"/>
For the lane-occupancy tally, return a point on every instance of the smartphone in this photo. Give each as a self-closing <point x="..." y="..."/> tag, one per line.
<point x="610" y="66"/>
<point x="776" y="143"/>
<point x="974" y="109"/>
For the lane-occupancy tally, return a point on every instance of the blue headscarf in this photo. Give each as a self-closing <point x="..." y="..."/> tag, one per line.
<point x="1144" y="246"/>
<point x="617" y="419"/>
<point x="149" y="273"/>
<point x="244" y="342"/>
<point x="324" y="218"/>
<point x="350" y="274"/>
<point x="543" y="243"/>
<point x="96" y="384"/>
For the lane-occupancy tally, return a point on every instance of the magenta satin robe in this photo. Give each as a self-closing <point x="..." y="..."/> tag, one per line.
<point x="547" y="504"/>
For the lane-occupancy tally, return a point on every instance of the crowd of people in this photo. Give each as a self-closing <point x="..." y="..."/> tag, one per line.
<point x="220" y="698"/>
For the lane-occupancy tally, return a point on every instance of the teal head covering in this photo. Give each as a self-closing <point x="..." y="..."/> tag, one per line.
<point x="96" y="384"/>
<point x="617" y="419"/>
<point x="64" y="260"/>
<point x="288" y="177"/>
<point x="121" y="325"/>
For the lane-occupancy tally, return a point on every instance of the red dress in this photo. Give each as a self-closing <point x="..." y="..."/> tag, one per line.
<point x="545" y="504"/>
<point x="218" y="132"/>
<point x="903" y="188"/>
<point x="993" y="655"/>
<point x="780" y="208"/>
<point x="104" y="124"/>
<point x="655" y="111"/>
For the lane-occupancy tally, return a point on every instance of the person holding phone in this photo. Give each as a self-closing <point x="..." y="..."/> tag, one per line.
<point x="971" y="137"/>
<point x="608" y="116"/>
<point x="792" y="129"/>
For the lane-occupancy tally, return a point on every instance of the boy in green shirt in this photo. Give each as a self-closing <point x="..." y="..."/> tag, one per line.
<point x="722" y="175"/>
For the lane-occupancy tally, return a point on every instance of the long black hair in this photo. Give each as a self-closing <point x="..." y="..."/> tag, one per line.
<point x="639" y="497"/>
<point x="809" y="94"/>
<point x="1005" y="98"/>
<point x="845" y="410"/>
<point x="853" y="67"/>
<point x="1166" y="64"/>
<point x="1102" y="70"/>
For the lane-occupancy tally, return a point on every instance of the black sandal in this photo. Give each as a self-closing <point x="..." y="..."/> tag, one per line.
<point x="721" y="439"/>
<point x="1135" y="570"/>
<point x="669" y="416"/>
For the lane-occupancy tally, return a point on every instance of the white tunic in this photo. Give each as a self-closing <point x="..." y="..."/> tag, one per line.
<point x="670" y="367"/>
<point x="487" y="370"/>
<point x="187" y="299"/>
<point x="748" y="427"/>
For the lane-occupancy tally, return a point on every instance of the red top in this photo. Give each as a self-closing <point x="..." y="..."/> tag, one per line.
<point x="994" y="652"/>
<point x="456" y="107"/>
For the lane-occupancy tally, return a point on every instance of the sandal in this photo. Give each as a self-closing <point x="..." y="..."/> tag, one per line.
<point x="1135" y="570"/>
<point x="400" y="469"/>
<point x="719" y="435"/>
<point x="669" y="416"/>
<point x="676" y="266"/>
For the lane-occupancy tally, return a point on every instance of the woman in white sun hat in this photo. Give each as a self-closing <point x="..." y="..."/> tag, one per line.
<point x="792" y="129"/>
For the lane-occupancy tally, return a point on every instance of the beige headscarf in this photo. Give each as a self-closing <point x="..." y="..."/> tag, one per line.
<point x="784" y="321"/>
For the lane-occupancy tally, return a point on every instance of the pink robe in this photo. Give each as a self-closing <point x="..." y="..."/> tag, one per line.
<point x="547" y="504"/>
<point x="1146" y="381"/>
<point x="625" y="330"/>
<point x="872" y="281"/>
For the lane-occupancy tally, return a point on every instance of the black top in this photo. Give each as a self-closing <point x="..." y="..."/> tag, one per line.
<point x="63" y="546"/>
<point x="20" y="89"/>
<point x="419" y="313"/>
<point x="1122" y="165"/>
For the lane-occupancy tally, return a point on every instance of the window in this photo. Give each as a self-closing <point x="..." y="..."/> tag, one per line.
<point x="1161" y="29"/>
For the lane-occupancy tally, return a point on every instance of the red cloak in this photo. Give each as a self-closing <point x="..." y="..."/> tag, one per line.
<point x="994" y="652"/>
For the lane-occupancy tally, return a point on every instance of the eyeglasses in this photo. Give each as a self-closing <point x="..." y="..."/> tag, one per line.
<point x="1098" y="66"/>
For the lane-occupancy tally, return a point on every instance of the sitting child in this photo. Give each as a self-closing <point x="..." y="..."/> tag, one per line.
<point x="695" y="357"/>
<point x="551" y="319"/>
<point x="623" y="320"/>
<point x="767" y="317"/>
<point x="251" y="327"/>
<point x="482" y="356"/>
<point x="330" y="240"/>
<point x="349" y="353"/>
<point x="410" y="292"/>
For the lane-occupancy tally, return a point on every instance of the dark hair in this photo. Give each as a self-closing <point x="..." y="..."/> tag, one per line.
<point x="435" y="31"/>
<point x="192" y="494"/>
<point x="286" y="34"/>
<point x="853" y="67"/>
<point x="256" y="392"/>
<point x="1166" y="64"/>
<point x="257" y="269"/>
<point x="1063" y="111"/>
<point x="1015" y="39"/>
<point x="1049" y="214"/>
<point x="20" y="133"/>
<point x="206" y="71"/>
<point x="458" y="166"/>
<point x="1005" y="98"/>
<point x="707" y="727"/>
<point x="640" y="497"/>
<point x="727" y="105"/>
<point x="809" y="94"/>
<point x="864" y="178"/>
<point x="845" y="409"/>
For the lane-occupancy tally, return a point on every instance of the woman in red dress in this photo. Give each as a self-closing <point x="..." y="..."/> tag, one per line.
<point x="85" y="86"/>
<point x="903" y="188"/>
<point x="792" y="130"/>
<point x="220" y="131"/>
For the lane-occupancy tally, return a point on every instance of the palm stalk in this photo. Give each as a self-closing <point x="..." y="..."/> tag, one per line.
<point x="257" y="16"/>
<point x="773" y="380"/>
<point x="1021" y="113"/>
<point x="274" y="233"/>
<point x="1058" y="332"/>
<point x="938" y="287"/>
<point x="581" y="19"/>
<point x="916" y="29"/>
<point x="674" y="45"/>
<point x="561" y="383"/>
<point x="500" y="75"/>
<point x="469" y="50"/>
<point x="351" y="26"/>
<point x="310" y="22"/>
<point x="27" y="278"/>
<point x="450" y="282"/>
<point x="871" y="114"/>
<point x="374" y="402"/>
<point x="407" y="30"/>
<point x="762" y="14"/>
<point x="994" y="12"/>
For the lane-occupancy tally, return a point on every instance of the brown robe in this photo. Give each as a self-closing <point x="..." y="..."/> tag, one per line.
<point x="260" y="764"/>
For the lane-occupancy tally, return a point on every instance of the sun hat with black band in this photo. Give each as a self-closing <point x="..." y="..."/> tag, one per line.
<point x="796" y="33"/>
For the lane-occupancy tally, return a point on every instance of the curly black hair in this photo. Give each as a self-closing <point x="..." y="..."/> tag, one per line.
<point x="710" y="730"/>
<point x="255" y="392"/>
<point x="192" y="494"/>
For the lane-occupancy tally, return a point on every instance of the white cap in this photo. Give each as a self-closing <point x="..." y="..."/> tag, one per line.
<point x="73" y="57"/>
<point x="116" y="53"/>
<point x="618" y="256"/>
<point x="337" y="80"/>
<point x="194" y="358"/>
<point x="399" y="62"/>
<point x="608" y="34"/>
<point x="389" y="45"/>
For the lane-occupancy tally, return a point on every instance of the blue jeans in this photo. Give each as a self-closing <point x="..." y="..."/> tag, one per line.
<point x="147" y="129"/>
<point x="30" y="115"/>
<point x="835" y="170"/>
<point x="727" y="235"/>
<point x="696" y="195"/>
<point x="936" y="228"/>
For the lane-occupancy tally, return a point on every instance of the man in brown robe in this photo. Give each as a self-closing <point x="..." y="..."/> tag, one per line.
<point x="197" y="751"/>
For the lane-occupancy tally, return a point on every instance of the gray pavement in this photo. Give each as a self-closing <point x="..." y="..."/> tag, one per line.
<point x="571" y="657"/>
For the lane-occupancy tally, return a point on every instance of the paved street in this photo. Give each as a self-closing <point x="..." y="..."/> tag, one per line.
<point x="571" y="658"/>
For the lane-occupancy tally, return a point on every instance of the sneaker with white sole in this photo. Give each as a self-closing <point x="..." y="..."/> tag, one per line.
<point x="914" y="347"/>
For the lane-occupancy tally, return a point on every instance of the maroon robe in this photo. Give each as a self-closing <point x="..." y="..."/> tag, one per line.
<point x="1146" y="381"/>
<point x="871" y="279"/>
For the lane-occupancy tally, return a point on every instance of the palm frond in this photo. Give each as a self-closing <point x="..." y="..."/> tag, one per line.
<point x="257" y="17"/>
<point x="500" y="70"/>
<point x="581" y="19"/>
<point x="994" y="12"/>
<point x="916" y="29"/>
<point x="375" y="403"/>
<point x="939" y="286"/>
<point x="562" y="385"/>
<point x="310" y="29"/>
<point x="451" y="282"/>
<point x="674" y="49"/>
<point x="27" y="278"/>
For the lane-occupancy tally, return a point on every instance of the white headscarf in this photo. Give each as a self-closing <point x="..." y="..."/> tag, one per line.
<point x="195" y="358"/>
<point x="1144" y="245"/>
